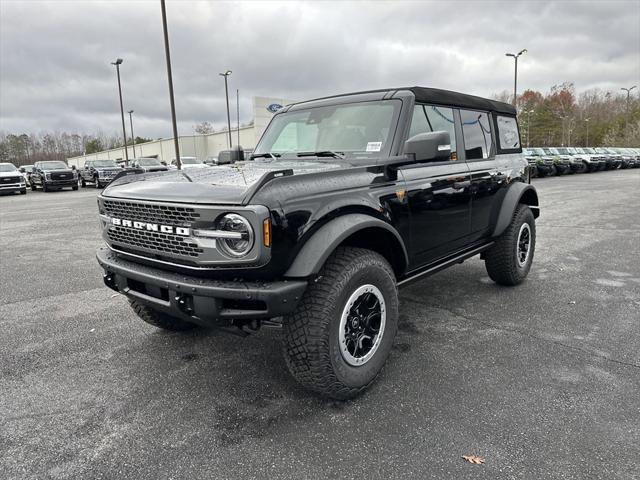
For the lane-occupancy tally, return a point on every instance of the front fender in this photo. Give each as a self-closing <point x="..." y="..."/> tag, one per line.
<point x="517" y="193"/>
<point x="317" y="249"/>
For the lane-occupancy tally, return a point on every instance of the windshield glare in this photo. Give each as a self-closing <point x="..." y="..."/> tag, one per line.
<point x="53" y="166"/>
<point x="149" y="162"/>
<point x="7" y="167"/>
<point x="353" y="128"/>
<point x="104" y="163"/>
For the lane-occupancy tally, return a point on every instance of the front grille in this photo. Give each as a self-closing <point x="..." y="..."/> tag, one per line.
<point x="10" y="179"/>
<point x="61" y="176"/>
<point x="160" y="242"/>
<point x="144" y="212"/>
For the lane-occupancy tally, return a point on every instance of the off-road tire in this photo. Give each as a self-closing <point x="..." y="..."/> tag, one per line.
<point x="83" y="182"/>
<point x="32" y="186"/>
<point x="501" y="259"/>
<point x="554" y="171"/>
<point x="311" y="332"/>
<point x="44" y="187"/>
<point x="96" y="181"/>
<point x="159" y="319"/>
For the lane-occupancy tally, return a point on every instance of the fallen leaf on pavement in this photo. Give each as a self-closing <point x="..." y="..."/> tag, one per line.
<point x="473" y="459"/>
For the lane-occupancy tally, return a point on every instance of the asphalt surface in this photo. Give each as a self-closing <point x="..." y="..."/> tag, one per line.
<point x="541" y="380"/>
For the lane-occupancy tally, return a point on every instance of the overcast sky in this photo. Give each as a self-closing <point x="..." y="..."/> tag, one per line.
<point x="55" y="71"/>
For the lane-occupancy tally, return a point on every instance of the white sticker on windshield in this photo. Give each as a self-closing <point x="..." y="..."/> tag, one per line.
<point x="374" y="146"/>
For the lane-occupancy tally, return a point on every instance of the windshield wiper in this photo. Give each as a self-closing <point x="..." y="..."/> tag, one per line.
<point x="322" y="153"/>
<point x="264" y="155"/>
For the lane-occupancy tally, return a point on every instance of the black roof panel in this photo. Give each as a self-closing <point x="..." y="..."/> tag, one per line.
<point x="461" y="100"/>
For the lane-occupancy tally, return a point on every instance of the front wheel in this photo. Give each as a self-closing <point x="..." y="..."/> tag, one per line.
<point x="340" y="335"/>
<point x="44" y="187"/>
<point x="509" y="260"/>
<point x="83" y="182"/>
<point x="96" y="182"/>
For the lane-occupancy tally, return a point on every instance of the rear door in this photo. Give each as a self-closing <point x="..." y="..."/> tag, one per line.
<point x="437" y="193"/>
<point x="488" y="175"/>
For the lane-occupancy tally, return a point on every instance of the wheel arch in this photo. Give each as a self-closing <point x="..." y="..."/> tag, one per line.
<point x="516" y="194"/>
<point x="354" y="230"/>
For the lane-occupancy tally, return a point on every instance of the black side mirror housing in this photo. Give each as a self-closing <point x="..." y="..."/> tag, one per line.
<point x="236" y="154"/>
<point x="429" y="147"/>
<point x="21" y="169"/>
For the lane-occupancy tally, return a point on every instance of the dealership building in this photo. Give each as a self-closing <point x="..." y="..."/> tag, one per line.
<point x="199" y="146"/>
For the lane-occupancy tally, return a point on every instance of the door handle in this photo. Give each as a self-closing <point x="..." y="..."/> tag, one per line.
<point x="461" y="185"/>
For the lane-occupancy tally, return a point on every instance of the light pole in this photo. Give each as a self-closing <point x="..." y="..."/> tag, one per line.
<point x="515" y="77"/>
<point x="238" y="112"/>
<point x="226" y="92"/>
<point x="586" y="120"/>
<point x="529" y="112"/>
<point x="628" y="90"/>
<point x="176" y="144"/>
<point x="133" y="138"/>
<point x="117" y="63"/>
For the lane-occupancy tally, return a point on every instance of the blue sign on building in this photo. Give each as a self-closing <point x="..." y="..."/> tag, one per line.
<point x="274" y="107"/>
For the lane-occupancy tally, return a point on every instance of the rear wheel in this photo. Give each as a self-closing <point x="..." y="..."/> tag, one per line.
<point x="509" y="260"/>
<point x="159" y="319"/>
<point x="340" y="335"/>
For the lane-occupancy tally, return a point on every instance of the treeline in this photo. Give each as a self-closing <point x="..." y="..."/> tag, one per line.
<point x="592" y="118"/>
<point x="24" y="149"/>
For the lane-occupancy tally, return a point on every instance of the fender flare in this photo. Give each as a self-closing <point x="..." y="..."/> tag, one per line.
<point x="518" y="192"/>
<point x="326" y="239"/>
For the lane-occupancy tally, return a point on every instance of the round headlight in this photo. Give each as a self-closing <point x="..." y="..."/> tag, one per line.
<point x="239" y="244"/>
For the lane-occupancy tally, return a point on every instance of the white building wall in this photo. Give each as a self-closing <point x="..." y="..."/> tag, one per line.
<point x="200" y="146"/>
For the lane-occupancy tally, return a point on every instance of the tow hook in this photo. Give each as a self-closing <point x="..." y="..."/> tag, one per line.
<point x="110" y="281"/>
<point x="185" y="304"/>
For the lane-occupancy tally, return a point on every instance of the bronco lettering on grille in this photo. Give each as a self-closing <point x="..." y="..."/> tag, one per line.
<point x="152" y="227"/>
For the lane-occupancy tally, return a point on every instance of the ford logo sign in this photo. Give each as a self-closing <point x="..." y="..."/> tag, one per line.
<point x="274" y="107"/>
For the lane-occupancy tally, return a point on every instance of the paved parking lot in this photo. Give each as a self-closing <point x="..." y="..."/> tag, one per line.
<point x="541" y="380"/>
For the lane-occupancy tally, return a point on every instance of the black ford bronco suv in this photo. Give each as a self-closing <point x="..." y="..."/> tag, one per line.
<point x="344" y="200"/>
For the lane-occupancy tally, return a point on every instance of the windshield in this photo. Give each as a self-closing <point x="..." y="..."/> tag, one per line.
<point x="149" y="162"/>
<point x="190" y="161"/>
<point x="104" y="163"/>
<point x="550" y="151"/>
<point x="572" y="150"/>
<point x="563" y="151"/>
<point x="589" y="150"/>
<point x="53" y="166"/>
<point x="354" y="128"/>
<point x="7" y="167"/>
<point x="537" y="151"/>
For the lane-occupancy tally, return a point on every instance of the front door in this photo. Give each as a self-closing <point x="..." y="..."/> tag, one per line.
<point x="438" y="194"/>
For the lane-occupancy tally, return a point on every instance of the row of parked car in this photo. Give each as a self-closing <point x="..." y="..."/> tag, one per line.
<point x="549" y="161"/>
<point x="56" y="174"/>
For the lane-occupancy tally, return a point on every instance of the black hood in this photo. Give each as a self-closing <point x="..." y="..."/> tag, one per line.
<point x="226" y="184"/>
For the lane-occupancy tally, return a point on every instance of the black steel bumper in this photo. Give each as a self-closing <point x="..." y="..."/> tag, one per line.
<point x="61" y="183"/>
<point x="199" y="300"/>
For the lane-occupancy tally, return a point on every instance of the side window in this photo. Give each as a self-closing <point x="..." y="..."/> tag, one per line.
<point x="429" y="118"/>
<point x="476" y="130"/>
<point x="508" y="136"/>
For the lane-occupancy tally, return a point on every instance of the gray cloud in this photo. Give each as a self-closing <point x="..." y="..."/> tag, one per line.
<point x="55" y="71"/>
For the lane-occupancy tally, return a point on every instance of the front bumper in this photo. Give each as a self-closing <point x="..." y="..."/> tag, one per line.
<point x="13" y="187"/>
<point x="199" y="300"/>
<point x="62" y="183"/>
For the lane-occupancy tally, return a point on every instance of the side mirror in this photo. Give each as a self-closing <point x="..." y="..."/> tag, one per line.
<point x="429" y="147"/>
<point x="231" y="156"/>
<point x="73" y="167"/>
<point x="22" y="170"/>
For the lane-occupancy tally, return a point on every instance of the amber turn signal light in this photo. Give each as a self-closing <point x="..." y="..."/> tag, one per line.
<point x="266" y="232"/>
